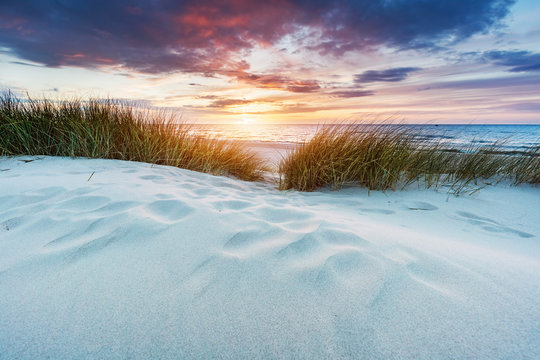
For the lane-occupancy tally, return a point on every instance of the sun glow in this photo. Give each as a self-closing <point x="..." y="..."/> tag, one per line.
<point x="247" y="120"/>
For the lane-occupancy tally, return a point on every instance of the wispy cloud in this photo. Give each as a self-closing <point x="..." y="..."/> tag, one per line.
<point x="24" y="63"/>
<point x="301" y="86"/>
<point x="389" y="75"/>
<point x="352" y="93"/>
<point x="487" y="83"/>
<point x="516" y="60"/>
<point x="275" y="82"/>
<point x="222" y="103"/>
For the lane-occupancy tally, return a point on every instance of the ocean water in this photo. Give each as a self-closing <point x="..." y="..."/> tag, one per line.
<point x="512" y="137"/>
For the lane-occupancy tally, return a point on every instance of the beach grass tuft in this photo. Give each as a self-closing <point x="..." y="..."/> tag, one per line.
<point x="382" y="157"/>
<point x="113" y="129"/>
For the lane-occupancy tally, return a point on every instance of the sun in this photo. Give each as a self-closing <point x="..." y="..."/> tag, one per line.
<point x="247" y="120"/>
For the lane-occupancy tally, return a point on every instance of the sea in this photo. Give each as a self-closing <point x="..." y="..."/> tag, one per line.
<point x="511" y="138"/>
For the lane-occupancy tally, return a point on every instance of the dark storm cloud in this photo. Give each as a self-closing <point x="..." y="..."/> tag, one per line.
<point x="151" y="37"/>
<point x="390" y="75"/>
<point x="208" y="36"/>
<point x="402" y="24"/>
<point x="518" y="61"/>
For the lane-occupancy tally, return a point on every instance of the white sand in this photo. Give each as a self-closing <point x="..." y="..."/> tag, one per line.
<point x="152" y="262"/>
<point x="270" y="152"/>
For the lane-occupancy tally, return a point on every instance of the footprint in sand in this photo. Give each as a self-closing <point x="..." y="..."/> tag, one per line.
<point x="99" y="233"/>
<point x="168" y="211"/>
<point x="97" y="244"/>
<point x="158" y="179"/>
<point x="420" y="205"/>
<point x="84" y="203"/>
<point x="232" y="205"/>
<point x="350" y="268"/>
<point x="346" y="263"/>
<point x="84" y="233"/>
<point x="199" y="280"/>
<point x="209" y="273"/>
<point x="316" y="247"/>
<point x="251" y="242"/>
<point x="307" y="246"/>
<point x="10" y="224"/>
<point x="490" y="225"/>
<point x="203" y="192"/>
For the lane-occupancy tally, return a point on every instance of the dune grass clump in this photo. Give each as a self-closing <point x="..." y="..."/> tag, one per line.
<point x="526" y="167"/>
<point x="382" y="157"/>
<point x="111" y="129"/>
<point x="335" y="156"/>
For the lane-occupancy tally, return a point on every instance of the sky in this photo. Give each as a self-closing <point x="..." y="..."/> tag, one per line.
<point x="282" y="61"/>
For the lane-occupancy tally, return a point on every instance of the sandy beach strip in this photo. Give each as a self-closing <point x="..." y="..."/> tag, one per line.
<point x="113" y="259"/>
<point x="270" y="152"/>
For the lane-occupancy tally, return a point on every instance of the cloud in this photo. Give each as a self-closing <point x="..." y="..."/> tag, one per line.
<point x="24" y="63"/>
<point x="412" y="24"/>
<point x="209" y="36"/>
<point x="390" y="75"/>
<point x="222" y="103"/>
<point x="208" y="97"/>
<point x="352" y="93"/>
<point x="275" y="82"/>
<point x="522" y="107"/>
<point x="531" y="81"/>
<point x="296" y="109"/>
<point x="518" y="61"/>
<point x="303" y="86"/>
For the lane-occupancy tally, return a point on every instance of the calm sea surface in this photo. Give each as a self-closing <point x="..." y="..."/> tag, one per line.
<point x="513" y="137"/>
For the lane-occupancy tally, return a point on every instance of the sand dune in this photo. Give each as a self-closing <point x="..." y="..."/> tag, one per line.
<point x="112" y="259"/>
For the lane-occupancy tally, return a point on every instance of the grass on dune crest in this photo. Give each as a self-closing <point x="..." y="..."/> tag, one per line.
<point x="111" y="129"/>
<point x="378" y="157"/>
<point x="382" y="157"/>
